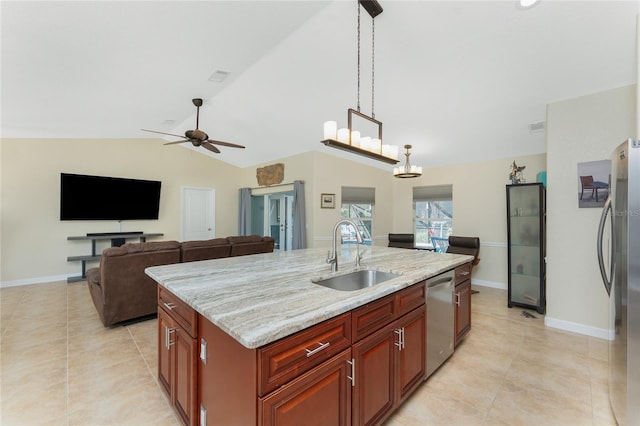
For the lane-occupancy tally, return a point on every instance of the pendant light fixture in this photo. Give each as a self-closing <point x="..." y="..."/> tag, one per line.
<point x="407" y="171"/>
<point x="350" y="139"/>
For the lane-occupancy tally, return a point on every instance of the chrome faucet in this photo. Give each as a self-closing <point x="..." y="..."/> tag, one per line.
<point x="332" y="256"/>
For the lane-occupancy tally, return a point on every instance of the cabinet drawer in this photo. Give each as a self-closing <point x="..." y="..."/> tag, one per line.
<point x="410" y="298"/>
<point x="287" y="358"/>
<point x="372" y="317"/>
<point x="184" y="314"/>
<point x="463" y="273"/>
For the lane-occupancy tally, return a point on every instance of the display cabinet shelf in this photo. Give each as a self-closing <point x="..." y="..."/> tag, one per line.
<point x="526" y="246"/>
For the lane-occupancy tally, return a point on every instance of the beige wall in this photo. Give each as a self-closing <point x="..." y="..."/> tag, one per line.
<point x="34" y="240"/>
<point x="578" y="130"/>
<point x="325" y="173"/>
<point x="479" y="207"/>
<point x="30" y="200"/>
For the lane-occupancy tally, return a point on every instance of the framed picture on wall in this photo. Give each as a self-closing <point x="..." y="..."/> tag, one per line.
<point x="328" y="201"/>
<point x="594" y="181"/>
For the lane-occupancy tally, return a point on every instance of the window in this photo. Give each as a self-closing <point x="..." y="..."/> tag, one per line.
<point x="357" y="205"/>
<point x="433" y="215"/>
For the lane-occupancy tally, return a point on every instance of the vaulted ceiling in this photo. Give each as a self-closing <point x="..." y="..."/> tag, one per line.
<point x="459" y="80"/>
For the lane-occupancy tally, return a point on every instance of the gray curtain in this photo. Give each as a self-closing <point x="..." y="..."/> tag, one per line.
<point x="244" y="215"/>
<point x="299" y="217"/>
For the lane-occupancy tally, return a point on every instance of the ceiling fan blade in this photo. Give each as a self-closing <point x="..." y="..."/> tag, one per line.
<point x="172" y="143"/>
<point x="210" y="147"/>
<point x="162" y="133"/>
<point x="229" y="144"/>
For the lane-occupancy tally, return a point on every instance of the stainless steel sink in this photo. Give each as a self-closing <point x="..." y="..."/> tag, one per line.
<point x="356" y="280"/>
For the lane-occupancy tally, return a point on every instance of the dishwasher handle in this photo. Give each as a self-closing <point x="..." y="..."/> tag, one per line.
<point x="441" y="280"/>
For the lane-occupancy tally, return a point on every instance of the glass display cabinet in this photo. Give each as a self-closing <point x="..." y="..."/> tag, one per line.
<point x="526" y="245"/>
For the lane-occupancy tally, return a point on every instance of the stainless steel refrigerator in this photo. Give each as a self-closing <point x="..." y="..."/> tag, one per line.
<point x="619" y="259"/>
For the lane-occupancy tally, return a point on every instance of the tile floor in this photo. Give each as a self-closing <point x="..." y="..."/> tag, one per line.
<point x="60" y="366"/>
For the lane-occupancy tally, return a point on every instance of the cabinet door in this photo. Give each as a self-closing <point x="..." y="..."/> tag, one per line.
<point x="165" y="325"/>
<point x="374" y="389"/>
<point x="184" y="350"/>
<point x="412" y="354"/>
<point x="322" y="397"/>
<point x="177" y="353"/>
<point x="463" y="310"/>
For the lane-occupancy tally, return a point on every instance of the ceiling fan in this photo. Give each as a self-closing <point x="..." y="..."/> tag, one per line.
<point x="197" y="137"/>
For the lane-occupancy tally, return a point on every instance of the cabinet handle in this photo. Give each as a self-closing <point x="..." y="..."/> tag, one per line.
<point x="203" y="351"/>
<point x="457" y="299"/>
<point x="167" y="337"/>
<point x="169" y="305"/>
<point x="318" y="349"/>
<point x="352" y="363"/>
<point x="400" y="342"/>
<point x="203" y="415"/>
<point x="465" y="273"/>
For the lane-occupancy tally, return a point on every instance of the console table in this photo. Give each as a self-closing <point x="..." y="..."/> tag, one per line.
<point x="117" y="239"/>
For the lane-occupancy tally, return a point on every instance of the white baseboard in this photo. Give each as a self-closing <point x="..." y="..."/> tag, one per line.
<point x="491" y="284"/>
<point x="574" y="327"/>
<point x="39" y="280"/>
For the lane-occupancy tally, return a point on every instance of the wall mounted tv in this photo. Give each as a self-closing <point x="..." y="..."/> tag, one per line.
<point x="84" y="197"/>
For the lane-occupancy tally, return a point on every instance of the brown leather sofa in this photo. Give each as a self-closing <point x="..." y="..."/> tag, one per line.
<point x="120" y="289"/>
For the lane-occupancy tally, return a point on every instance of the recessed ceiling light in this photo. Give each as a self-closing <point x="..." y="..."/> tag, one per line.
<point x="525" y="4"/>
<point x="168" y="122"/>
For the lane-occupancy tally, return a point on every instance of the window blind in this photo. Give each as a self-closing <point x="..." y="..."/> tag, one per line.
<point x="358" y="195"/>
<point x="433" y="193"/>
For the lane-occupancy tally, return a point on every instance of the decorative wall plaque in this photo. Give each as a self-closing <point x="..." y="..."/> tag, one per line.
<point x="270" y="175"/>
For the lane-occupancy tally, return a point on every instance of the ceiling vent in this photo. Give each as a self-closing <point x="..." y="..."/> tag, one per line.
<point x="538" y="127"/>
<point x="219" y="76"/>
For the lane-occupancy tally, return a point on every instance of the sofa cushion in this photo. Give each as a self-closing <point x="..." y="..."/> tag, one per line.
<point x="216" y="248"/>
<point x="93" y="276"/>
<point x="150" y="246"/>
<point x="250" y="244"/>
<point x="114" y="251"/>
<point x="241" y="239"/>
<point x="205" y="243"/>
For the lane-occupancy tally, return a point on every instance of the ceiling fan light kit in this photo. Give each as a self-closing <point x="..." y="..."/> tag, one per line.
<point x="197" y="137"/>
<point x="350" y="139"/>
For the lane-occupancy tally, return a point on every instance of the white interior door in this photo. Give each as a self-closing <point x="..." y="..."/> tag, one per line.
<point x="198" y="213"/>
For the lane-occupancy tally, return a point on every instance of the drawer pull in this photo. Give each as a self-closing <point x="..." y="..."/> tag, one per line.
<point x="465" y="273"/>
<point x="318" y="349"/>
<point x="169" y="305"/>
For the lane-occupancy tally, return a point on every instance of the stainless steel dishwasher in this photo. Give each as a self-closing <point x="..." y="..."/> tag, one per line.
<point x="440" y="320"/>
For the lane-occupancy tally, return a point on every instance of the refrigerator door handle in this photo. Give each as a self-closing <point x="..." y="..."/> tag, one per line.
<point x="606" y="210"/>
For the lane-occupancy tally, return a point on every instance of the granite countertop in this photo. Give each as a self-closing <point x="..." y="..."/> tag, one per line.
<point x="261" y="298"/>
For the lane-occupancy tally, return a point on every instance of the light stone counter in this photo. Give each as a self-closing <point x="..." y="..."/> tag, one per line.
<point x="261" y="298"/>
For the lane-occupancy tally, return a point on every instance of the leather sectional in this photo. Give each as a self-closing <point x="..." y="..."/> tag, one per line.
<point x="120" y="289"/>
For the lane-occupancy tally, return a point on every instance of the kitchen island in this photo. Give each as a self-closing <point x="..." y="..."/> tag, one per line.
<point x="274" y="346"/>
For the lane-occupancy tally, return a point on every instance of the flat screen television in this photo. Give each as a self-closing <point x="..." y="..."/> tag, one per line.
<point x="84" y="197"/>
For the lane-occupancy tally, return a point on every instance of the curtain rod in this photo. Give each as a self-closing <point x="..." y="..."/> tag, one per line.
<point x="274" y="186"/>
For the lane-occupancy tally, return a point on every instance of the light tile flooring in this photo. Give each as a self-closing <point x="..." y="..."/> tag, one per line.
<point x="60" y="366"/>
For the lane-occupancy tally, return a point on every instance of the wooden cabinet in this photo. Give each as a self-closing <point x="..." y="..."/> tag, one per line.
<point x="287" y="358"/>
<point x="390" y="363"/>
<point x="462" y="299"/>
<point x="356" y="368"/>
<point x="321" y="396"/>
<point x="177" y="352"/>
